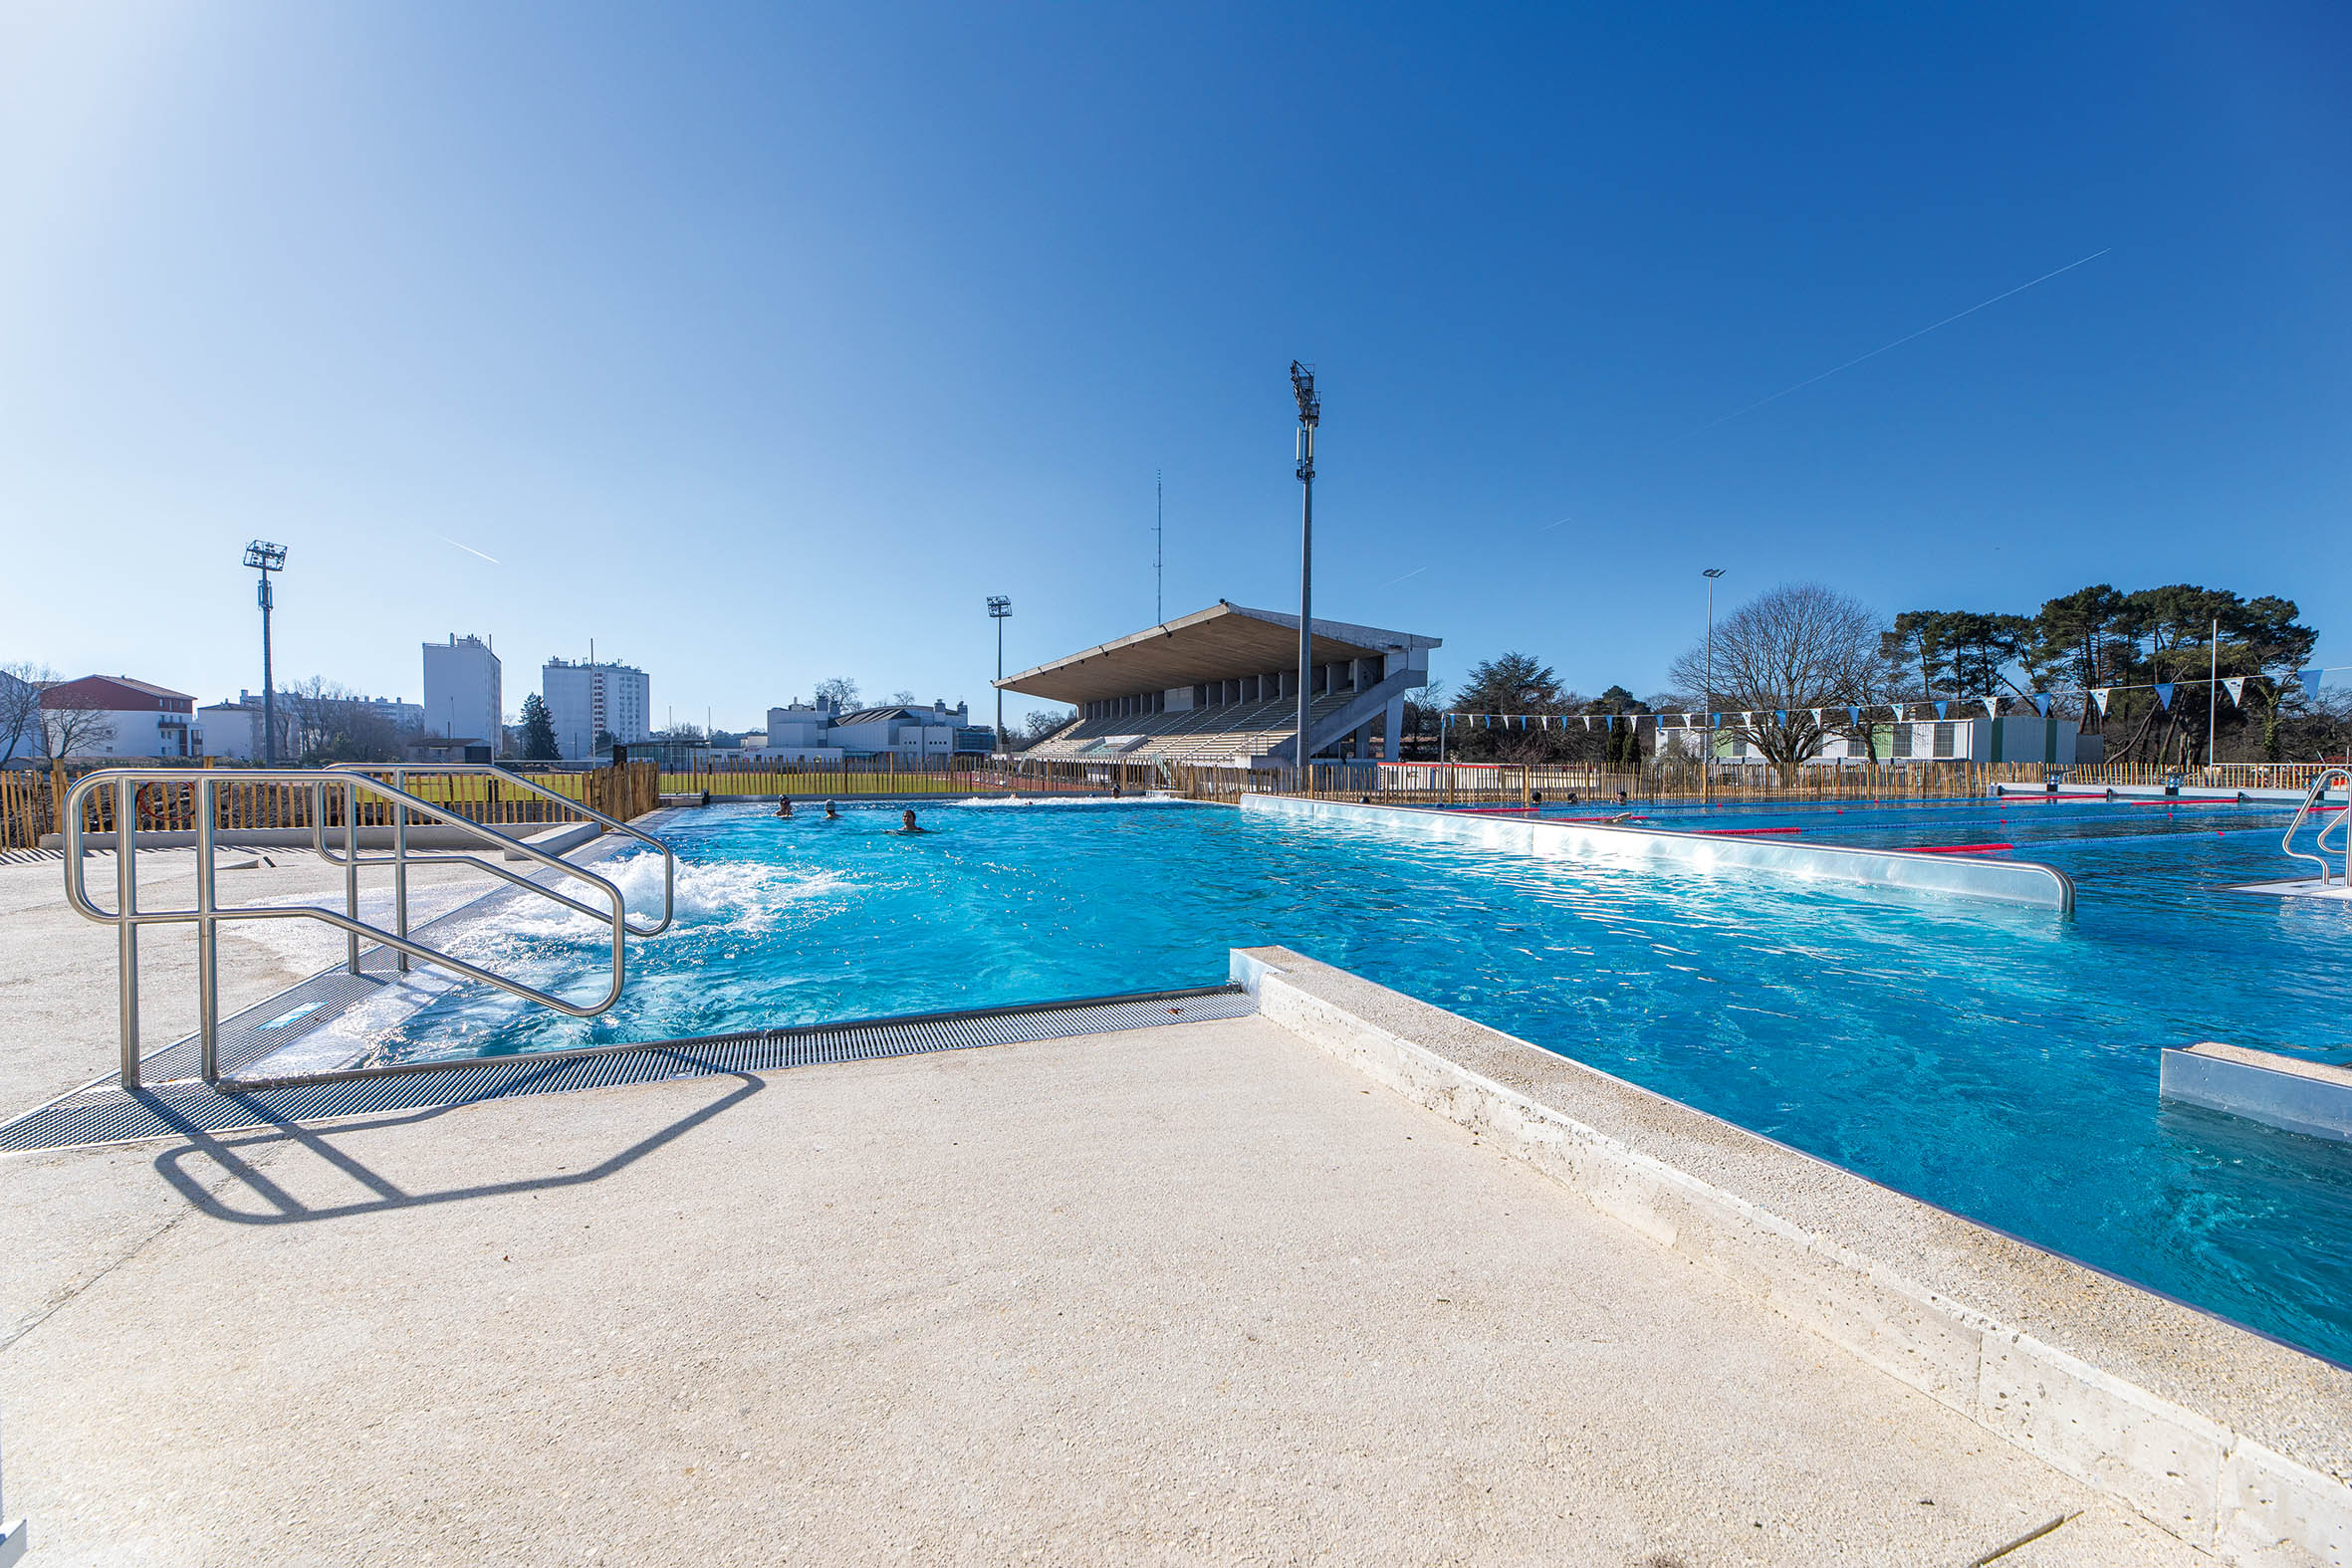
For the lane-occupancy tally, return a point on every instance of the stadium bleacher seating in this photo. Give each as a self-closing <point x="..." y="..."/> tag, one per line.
<point x="1225" y="732"/>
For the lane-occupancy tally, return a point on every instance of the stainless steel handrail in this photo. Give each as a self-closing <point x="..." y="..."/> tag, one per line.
<point x="400" y="859"/>
<point x="2320" y="783"/>
<point x="127" y="917"/>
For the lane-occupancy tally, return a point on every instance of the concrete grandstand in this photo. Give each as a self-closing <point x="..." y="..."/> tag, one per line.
<point x="1220" y="686"/>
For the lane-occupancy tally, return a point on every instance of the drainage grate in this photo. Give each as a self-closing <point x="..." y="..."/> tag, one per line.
<point x="109" y="1114"/>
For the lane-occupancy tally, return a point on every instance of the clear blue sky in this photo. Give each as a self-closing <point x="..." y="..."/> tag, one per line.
<point x="761" y="344"/>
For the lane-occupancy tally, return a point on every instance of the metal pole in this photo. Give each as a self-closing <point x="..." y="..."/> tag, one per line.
<point x="269" y="701"/>
<point x="1309" y="415"/>
<point x="1707" y="747"/>
<point x="207" y="940"/>
<point x="2212" y="690"/>
<point x="126" y="933"/>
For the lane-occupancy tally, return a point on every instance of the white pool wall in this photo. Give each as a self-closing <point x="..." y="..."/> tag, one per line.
<point x="2026" y="882"/>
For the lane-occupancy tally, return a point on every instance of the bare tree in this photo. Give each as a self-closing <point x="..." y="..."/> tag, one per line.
<point x="20" y="708"/>
<point x="1041" y="723"/>
<point x="325" y="723"/>
<point x="1779" y="660"/>
<point x="69" y="726"/>
<point x="841" y="689"/>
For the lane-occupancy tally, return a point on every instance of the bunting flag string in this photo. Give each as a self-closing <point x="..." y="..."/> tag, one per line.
<point x="2096" y="700"/>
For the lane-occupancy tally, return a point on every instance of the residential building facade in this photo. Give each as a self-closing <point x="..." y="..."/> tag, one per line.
<point x="463" y="689"/>
<point x="585" y="700"/>
<point x="121" y="717"/>
<point x="825" y="732"/>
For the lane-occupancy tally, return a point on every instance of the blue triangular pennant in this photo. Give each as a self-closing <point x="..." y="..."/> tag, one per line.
<point x="1853" y="712"/>
<point x="1779" y="716"/>
<point x="1942" y="708"/>
<point x="2310" y="680"/>
<point x="2163" y="694"/>
<point x="2041" y="704"/>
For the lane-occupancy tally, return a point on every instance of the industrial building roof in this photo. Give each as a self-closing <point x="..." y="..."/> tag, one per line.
<point x="1214" y="644"/>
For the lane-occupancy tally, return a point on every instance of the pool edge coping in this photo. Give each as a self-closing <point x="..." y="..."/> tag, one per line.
<point x="2234" y="1442"/>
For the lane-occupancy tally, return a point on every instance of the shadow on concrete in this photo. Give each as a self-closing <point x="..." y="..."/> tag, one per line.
<point x="284" y="1208"/>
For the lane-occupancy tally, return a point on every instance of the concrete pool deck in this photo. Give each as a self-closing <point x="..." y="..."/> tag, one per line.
<point x="1204" y="1292"/>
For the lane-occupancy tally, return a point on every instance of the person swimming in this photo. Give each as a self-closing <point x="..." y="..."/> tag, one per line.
<point x="784" y="805"/>
<point x="830" y="814"/>
<point x="906" y="822"/>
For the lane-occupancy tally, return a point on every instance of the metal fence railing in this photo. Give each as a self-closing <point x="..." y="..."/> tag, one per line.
<point x="635" y="788"/>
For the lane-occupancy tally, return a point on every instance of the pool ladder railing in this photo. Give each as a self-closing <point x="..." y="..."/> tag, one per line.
<point x="376" y="783"/>
<point x="2321" y="782"/>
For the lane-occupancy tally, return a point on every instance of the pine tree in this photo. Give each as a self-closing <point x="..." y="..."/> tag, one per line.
<point x="538" y="731"/>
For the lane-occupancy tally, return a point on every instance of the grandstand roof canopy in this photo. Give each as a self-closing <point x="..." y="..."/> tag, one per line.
<point x="1214" y="644"/>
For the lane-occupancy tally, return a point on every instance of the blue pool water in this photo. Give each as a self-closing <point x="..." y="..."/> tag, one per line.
<point x="2000" y="1062"/>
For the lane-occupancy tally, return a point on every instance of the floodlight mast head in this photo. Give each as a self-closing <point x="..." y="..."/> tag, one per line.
<point x="999" y="606"/>
<point x="265" y="557"/>
<point x="1310" y="407"/>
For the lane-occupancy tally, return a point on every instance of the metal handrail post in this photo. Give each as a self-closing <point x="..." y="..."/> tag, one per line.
<point x="207" y="938"/>
<point x="2318" y="792"/>
<point x="127" y="936"/>
<point x="400" y="866"/>
<point x="207" y="914"/>
<point x="350" y="867"/>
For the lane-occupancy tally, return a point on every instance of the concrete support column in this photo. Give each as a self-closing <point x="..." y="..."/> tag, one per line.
<point x="1392" y="729"/>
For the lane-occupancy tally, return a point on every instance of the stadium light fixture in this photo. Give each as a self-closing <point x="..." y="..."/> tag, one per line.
<point x="1000" y="611"/>
<point x="264" y="557"/>
<point x="1311" y="414"/>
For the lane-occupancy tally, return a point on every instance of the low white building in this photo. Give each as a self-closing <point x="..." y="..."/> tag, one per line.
<point x="117" y="715"/>
<point x="586" y="700"/>
<point x="2022" y="737"/>
<point x="824" y="731"/>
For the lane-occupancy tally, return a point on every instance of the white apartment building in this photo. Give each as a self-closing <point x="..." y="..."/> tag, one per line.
<point x="463" y="695"/>
<point x="116" y="716"/>
<point x="585" y="700"/>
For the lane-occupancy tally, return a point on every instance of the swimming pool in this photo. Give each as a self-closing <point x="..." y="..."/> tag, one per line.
<point x="1999" y="1061"/>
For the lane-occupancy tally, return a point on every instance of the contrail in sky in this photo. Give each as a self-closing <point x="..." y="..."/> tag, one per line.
<point x="1393" y="581"/>
<point x="469" y="549"/>
<point x="1897" y="343"/>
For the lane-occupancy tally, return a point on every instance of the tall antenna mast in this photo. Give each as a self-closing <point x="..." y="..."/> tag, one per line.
<point x="1159" y="560"/>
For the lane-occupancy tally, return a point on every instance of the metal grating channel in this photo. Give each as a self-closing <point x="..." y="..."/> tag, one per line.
<point x="109" y="1114"/>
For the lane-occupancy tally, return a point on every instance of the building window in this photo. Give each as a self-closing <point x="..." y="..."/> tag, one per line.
<point x="1902" y="737"/>
<point x="1944" y="739"/>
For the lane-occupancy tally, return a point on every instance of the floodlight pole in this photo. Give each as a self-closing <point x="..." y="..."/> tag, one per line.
<point x="1707" y="757"/>
<point x="267" y="558"/>
<point x="999" y="609"/>
<point x="1311" y="414"/>
<point x="2213" y="689"/>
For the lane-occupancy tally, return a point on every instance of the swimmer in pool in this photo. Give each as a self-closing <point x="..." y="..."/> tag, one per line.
<point x="784" y="805"/>
<point x="906" y="822"/>
<point x="830" y="814"/>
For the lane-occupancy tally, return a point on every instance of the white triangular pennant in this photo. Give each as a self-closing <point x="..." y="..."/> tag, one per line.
<point x="2235" y="687"/>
